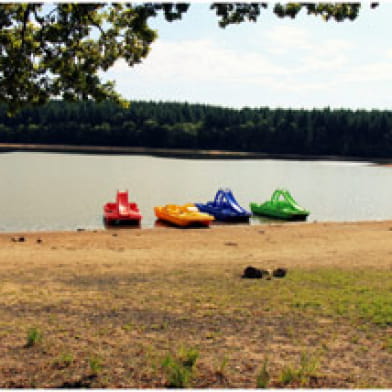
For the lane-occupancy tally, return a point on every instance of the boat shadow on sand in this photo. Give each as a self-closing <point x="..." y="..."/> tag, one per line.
<point x="264" y="220"/>
<point x="121" y="225"/>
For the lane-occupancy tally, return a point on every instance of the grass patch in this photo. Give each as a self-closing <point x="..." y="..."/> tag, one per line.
<point x="358" y="295"/>
<point x="348" y="299"/>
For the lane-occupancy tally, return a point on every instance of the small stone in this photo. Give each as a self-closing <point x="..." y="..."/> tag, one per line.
<point x="279" y="272"/>
<point x="229" y="243"/>
<point x="79" y="229"/>
<point x="21" y="239"/>
<point x="252" y="273"/>
<point x="39" y="241"/>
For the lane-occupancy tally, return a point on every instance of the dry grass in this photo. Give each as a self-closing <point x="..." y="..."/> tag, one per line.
<point x="111" y="306"/>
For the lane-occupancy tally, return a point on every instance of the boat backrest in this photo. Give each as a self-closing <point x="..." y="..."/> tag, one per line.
<point x="220" y="197"/>
<point x="225" y="199"/>
<point x="284" y="194"/>
<point x="122" y="202"/>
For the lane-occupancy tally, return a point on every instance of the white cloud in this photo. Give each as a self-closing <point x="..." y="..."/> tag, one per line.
<point x="304" y="49"/>
<point x="204" y="61"/>
<point x="286" y="38"/>
<point x="372" y="72"/>
<point x="320" y="67"/>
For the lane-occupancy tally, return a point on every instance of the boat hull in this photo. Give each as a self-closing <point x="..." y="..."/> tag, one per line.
<point x="182" y="217"/>
<point x="222" y="214"/>
<point x="267" y="209"/>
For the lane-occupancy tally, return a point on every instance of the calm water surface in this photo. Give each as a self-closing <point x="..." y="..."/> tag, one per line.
<point x="45" y="191"/>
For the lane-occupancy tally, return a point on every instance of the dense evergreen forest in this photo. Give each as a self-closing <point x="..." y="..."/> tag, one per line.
<point x="338" y="132"/>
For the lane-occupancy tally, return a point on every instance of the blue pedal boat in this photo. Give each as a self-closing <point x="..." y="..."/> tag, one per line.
<point x="225" y="207"/>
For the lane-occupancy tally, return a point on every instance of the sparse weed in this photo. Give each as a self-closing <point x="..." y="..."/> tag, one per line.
<point x="308" y="365"/>
<point x="364" y="349"/>
<point x="307" y="368"/>
<point x="95" y="364"/>
<point x="179" y="369"/>
<point x="105" y="380"/>
<point x="387" y="345"/>
<point x="34" y="337"/>
<point x="103" y="332"/>
<point x="52" y="318"/>
<point x="128" y="327"/>
<point x="222" y="366"/>
<point x="162" y="326"/>
<point x="263" y="377"/>
<point x="64" y="360"/>
<point x="288" y="375"/>
<point x="178" y="376"/>
<point x="188" y="357"/>
<point x="324" y="346"/>
<point x="354" y="339"/>
<point x="291" y="332"/>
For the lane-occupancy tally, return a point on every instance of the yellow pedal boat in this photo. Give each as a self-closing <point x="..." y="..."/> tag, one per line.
<point x="186" y="215"/>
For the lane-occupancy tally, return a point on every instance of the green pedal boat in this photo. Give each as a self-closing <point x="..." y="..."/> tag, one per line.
<point x="282" y="205"/>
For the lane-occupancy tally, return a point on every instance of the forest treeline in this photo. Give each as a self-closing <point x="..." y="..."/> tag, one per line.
<point x="326" y="131"/>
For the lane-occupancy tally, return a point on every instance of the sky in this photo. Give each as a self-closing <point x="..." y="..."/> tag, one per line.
<point x="290" y="63"/>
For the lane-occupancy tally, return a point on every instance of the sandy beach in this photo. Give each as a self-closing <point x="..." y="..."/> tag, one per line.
<point x="305" y="245"/>
<point x="125" y="298"/>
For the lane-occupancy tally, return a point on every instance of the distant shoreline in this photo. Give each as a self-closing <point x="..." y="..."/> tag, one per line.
<point x="178" y="153"/>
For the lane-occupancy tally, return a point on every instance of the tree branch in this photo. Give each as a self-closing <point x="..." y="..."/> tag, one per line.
<point x="25" y="19"/>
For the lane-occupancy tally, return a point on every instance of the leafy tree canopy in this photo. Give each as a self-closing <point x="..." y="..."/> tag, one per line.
<point x="57" y="50"/>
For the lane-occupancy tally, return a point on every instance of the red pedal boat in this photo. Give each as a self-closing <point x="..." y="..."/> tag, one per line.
<point x="122" y="211"/>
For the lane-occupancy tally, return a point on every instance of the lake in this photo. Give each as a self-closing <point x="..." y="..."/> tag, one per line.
<point x="54" y="191"/>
